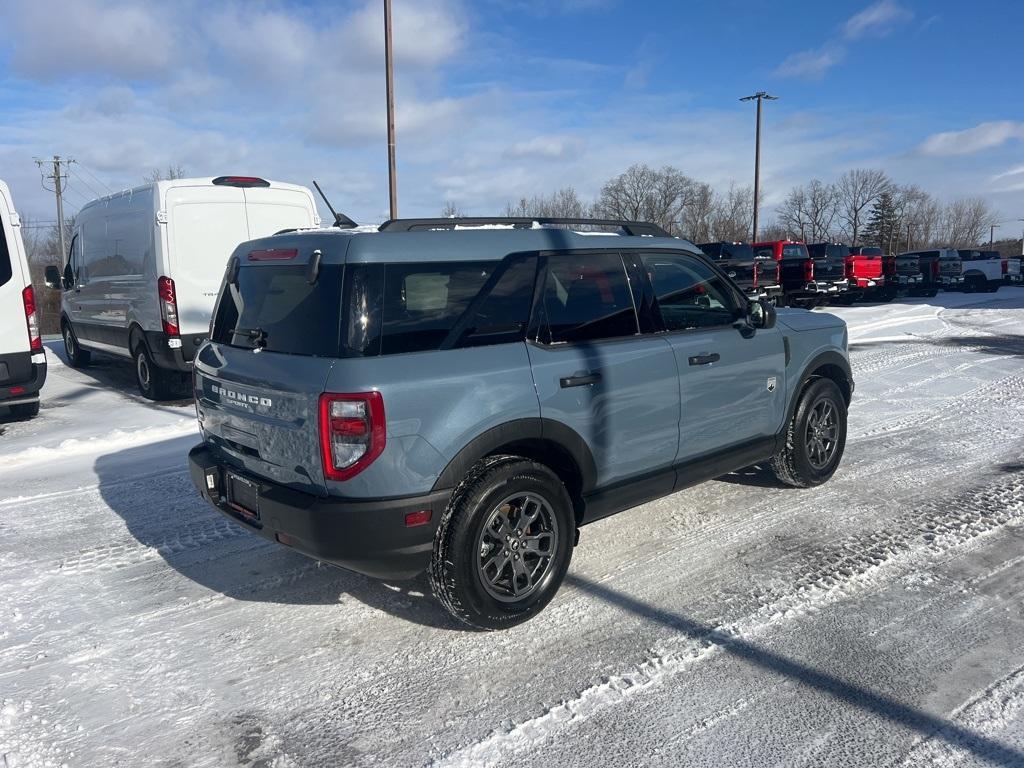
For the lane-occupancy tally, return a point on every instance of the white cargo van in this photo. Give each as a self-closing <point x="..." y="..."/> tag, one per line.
<point x="22" y="362"/>
<point x="145" y="265"/>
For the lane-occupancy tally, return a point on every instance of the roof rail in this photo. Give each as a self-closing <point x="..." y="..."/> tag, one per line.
<point x="519" y="222"/>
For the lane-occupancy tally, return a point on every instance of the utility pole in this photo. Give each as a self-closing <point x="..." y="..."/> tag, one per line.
<point x="390" y="85"/>
<point x="991" y="234"/>
<point x="58" y="180"/>
<point x="760" y="96"/>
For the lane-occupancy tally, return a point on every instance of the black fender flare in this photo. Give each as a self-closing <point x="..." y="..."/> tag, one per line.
<point x="830" y="357"/>
<point x="521" y="430"/>
<point x="136" y="336"/>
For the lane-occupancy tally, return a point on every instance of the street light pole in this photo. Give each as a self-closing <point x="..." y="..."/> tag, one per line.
<point x="992" y="234"/>
<point x="1021" y="240"/>
<point x="759" y="96"/>
<point x="390" y="86"/>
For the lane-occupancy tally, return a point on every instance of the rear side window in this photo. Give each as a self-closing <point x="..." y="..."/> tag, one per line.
<point x="276" y="309"/>
<point x="585" y="297"/>
<point x="447" y="305"/>
<point x="6" y="270"/>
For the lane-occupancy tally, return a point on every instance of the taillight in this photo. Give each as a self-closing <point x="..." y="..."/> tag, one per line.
<point x="757" y="273"/>
<point x="809" y="270"/>
<point x="273" y="254"/>
<point x="935" y="268"/>
<point x="849" y="266"/>
<point x="1006" y="266"/>
<point x="352" y="433"/>
<point x="168" y="306"/>
<point x="28" y="298"/>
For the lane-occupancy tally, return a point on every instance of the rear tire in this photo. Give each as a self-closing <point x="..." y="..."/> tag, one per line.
<point x="25" y="410"/>
<point x="504" y="543"/>
<point x="154" y="382"/>
<point x="77" y="357"/>
<point x="815" y="438"/>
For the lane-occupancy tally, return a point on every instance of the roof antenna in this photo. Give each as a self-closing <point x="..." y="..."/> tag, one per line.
<point x="341" y="221"/>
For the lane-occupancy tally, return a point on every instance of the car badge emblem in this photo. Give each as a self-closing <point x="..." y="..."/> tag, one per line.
<point x="771" y="384"/>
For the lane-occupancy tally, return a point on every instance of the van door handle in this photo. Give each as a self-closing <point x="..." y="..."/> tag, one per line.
<point x="580" y="381"/>
<point x="714" y="357"/>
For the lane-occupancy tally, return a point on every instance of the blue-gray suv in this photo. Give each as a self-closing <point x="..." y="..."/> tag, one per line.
<point x="460" y="396"/>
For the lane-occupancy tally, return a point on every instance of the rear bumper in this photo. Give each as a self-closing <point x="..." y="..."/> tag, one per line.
<point x="1013" y="278"/>
<point x="951" y="282"/>
<point x="369" y="537"/>
<point x="174" y="352"/>
<point x="22" y="375"/>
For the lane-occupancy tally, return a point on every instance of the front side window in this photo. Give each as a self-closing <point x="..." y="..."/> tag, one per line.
<point x="690" y="294"/>
<point x="6" y="270"/>
<point x="585" y="297"/>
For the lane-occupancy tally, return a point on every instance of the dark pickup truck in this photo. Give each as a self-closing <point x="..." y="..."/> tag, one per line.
<point x="940" y="268"/>
<point x="757" y="276"/>
<point x="800" y="284"/>
<point x="903" y="277"/>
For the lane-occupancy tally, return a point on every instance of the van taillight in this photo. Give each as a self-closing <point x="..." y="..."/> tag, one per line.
<point x="28" y="298"/>
<point x="809" y="270"/>
<point x="352" y="432"/>
<point x="168" y="306"/>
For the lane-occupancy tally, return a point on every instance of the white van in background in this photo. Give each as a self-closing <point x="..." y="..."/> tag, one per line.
<point x="22" y="362"/>
<point x="145" y="265"/>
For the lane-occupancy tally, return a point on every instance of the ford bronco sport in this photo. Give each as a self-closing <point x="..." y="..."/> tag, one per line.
<point x="460" y="399"/>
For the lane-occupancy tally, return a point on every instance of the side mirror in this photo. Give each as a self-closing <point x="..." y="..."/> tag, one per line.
<point x="762" y="314"/>
<point x="52" y="277"/>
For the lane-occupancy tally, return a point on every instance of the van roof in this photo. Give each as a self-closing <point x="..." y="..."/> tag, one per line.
<point x="161" y="188"/>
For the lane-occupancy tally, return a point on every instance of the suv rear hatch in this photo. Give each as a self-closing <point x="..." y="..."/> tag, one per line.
<point x="276" y="334"/>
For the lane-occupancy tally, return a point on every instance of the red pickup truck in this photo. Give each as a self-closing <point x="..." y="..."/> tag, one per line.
<point x="865" y="274"/>
<point x="796" y="273"/>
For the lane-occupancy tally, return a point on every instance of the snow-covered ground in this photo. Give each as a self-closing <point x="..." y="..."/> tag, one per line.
<point x="878" y="620"/>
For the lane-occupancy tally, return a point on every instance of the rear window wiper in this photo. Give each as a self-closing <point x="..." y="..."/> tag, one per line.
<point x="257" y="335"/>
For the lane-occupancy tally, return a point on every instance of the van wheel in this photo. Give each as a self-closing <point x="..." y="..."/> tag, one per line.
<point x="504" y="543"/>
<point x="77" y="357"/>
<point x="154" y="382"/>
<point x="25" y="410"/>
<point x="815" y="438"/>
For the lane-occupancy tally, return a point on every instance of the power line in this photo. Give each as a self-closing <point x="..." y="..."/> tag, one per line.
<point x="86" y="183"/>
<point x="92" y="175"/>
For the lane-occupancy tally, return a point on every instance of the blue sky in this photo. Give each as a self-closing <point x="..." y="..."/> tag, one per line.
<point x="499" y="99"/>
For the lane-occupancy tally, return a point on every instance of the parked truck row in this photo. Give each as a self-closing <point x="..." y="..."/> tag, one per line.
<point x="796" y="274"/>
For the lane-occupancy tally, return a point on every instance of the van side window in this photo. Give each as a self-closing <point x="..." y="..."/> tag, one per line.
<point x="586" y="297"/>
<point x="122" y="249"/>
<point x="690" y="295"/>
<point x="6" y="270"/>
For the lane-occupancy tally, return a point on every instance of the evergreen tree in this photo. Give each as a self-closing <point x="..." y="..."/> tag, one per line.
<point x="882" y="229"/>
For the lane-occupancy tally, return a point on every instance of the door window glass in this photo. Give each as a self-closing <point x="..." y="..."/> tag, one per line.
<point x="586" y="297"/>
<point x="690" y="294"/>
<point x="6" y="270"/>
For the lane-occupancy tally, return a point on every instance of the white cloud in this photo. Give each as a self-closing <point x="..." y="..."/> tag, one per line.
<point x="812" y="64"/>
<point x="972" y="140"/>
<point x="879" y="19"/>
<point x="50" y="38"/>
<point x="1018" y="171"/>
<point x="548" y="147"/>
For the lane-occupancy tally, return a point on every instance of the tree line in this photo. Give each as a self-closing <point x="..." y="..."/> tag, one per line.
<point x="862" y="207"/>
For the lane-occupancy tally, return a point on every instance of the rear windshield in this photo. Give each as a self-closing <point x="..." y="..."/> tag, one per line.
<point x="794" y="252"/>
<point x="869" y="252"/>
<point x="826" y="250"/>
<point x="276" y="309"/>
<point x="6" y="270"/>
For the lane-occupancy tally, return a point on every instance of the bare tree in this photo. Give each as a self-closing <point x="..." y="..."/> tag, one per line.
<point x="174" y="171"/>
<point x="733" y="214"/>
<point x="857" y="190"/>
<point x="793" y="213"/>
<point x="698" y="217"/>
<point x="965" y="222"/>
<point x="644" y="194"/>
<point x="451" y="210"/>
<point x="561" y="204"/>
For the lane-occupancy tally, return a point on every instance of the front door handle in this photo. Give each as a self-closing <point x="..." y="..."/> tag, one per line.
<point x="580" y="381"/>
<point x="714" y="357"/>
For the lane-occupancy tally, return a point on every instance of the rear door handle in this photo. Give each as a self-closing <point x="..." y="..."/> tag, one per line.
<point x="580" y="381"/>
<point x="714" y="357"/>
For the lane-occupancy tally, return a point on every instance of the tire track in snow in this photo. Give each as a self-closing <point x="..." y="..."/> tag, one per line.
<point x="833" y="573"/>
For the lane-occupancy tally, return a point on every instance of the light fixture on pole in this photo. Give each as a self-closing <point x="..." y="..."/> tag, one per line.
<point x="390" y="86"/>
<point x="759" y="96"/>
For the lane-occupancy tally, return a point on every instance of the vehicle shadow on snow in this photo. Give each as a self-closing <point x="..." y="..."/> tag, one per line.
<point x="1007" y="297"/>
<point x="850" y="693"/>
<point x="998" y="345"/>
<point x="106" y="372"/>
<point x="163" y="511"/>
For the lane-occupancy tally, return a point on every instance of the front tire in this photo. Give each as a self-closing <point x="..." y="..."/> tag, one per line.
<point x="77" y="357"/>
<point x="504" y="543"/>
<point x="153" y="381"/>
<point x="815" y="438"/>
